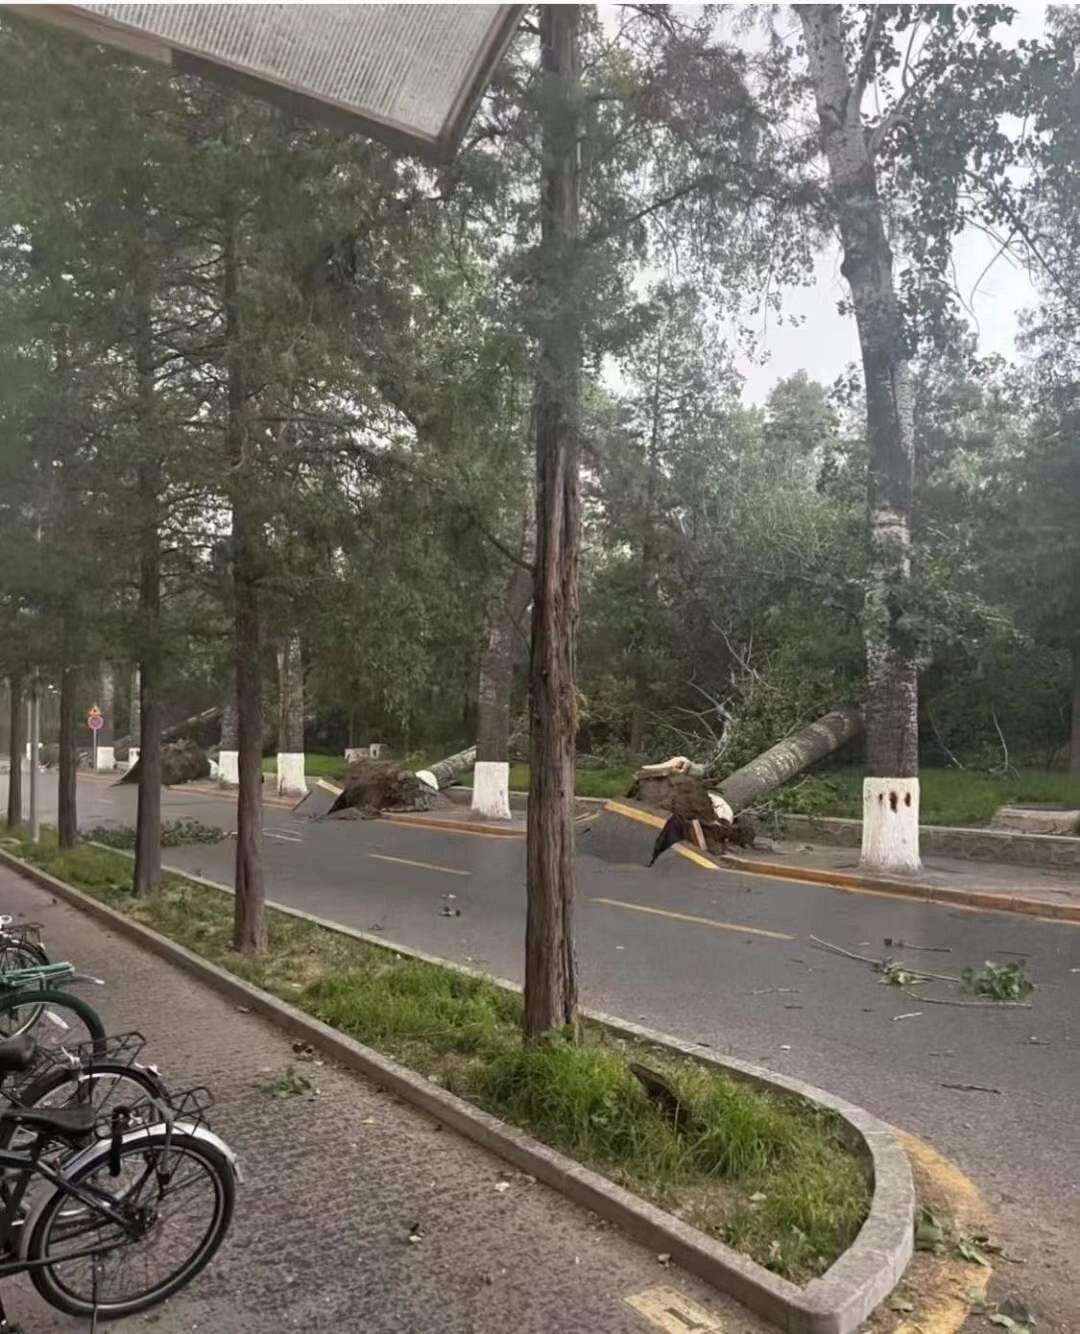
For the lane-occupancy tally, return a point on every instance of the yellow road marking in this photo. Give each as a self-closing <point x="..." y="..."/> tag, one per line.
<point x="425" y="866"/>
<point x="447" y="827"/>
<point x="669" y="1310"/>
<point x="698" y="921"/>
<point x="943" y="1309"/>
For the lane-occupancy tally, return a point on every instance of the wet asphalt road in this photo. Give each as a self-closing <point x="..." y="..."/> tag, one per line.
<point x="726" y="959"/>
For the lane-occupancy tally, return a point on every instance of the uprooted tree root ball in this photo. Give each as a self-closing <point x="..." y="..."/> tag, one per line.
<point x="380" y="785"/>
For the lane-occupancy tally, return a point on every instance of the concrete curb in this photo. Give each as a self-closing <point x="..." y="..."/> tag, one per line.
<point x="836" y="1303"/>
<point x="912" y="889"/>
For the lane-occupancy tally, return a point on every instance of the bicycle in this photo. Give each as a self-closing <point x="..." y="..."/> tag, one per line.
<point x="111" y="1196"/>
<point x="20" y="946"/>
<point x="103" y="1073"/>
<point x="28" y="995"/>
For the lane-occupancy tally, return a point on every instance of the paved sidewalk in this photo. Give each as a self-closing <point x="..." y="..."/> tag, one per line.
<point x="334" y="1184"/>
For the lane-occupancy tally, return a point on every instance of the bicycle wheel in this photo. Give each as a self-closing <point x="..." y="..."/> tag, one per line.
<point x="15" y="955"/>
<point x="172" y="1228"/>
<point x="106" y="1085"/>
<point x="57" y="1017"/>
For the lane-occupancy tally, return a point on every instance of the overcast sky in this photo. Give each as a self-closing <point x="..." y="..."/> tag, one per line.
<point x="824" y="342"/>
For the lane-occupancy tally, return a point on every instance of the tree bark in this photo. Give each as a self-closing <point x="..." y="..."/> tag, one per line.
<point x="249" y="921"/>
<point x="648" y="575"/>
<point x="290" y="744"/>
<point x="1074" y="738"/>
<point x="490" y="783"/>
<point x="67" y="816"/>
<point x="891" y="649"/>
<point x="788" y="757"/>
<point x="551" y="993"/>
<point x="445" y="771"/>
<point x="148" y="704"/>
<point x="17" y="747"/>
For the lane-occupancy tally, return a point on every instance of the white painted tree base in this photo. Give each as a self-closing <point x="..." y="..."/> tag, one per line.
<point x="890" y="831"/>
<point x="229" y="768"/>
<point x="106" y="759"/>
<point x="133" y="756"/>
<point x="428" y="779"/>
<point x="491" y="790"/>
<point x="290" y="774"/>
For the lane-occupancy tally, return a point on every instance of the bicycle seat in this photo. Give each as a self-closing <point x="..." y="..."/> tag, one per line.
<point x="74" y="1125"/>
<point x="17" y="1053"/>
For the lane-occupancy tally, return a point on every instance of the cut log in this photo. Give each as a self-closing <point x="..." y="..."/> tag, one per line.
<point x="788" y="757"/>
<point x="372" y="786"/>
<point x="445" y="771"/>
<point x="181" y="762"/>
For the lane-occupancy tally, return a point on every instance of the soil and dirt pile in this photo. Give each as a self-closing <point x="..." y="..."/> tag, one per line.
<point x="687" y="799"/>
<point x="372" y="786"/>
<point x="181" y="762"/>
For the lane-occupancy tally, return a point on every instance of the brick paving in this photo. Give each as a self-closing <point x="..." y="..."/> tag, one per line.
<point x="334" y="1184"/>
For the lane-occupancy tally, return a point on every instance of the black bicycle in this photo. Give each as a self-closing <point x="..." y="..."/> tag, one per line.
<point x="124" y="1211"/>
<point x="104" y="1072"/>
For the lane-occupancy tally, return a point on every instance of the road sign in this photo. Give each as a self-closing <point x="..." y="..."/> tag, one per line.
<point x="95" y="722"/>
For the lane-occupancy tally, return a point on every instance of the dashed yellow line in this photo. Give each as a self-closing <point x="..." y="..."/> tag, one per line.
<point x="424" y="866"/>
<point x="698" y="921"/>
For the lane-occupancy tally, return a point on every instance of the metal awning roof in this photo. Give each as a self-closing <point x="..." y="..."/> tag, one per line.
<point x="407" y="75"/>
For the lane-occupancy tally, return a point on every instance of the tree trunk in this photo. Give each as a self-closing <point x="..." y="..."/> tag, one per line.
<point x="784" y="760"/>
<point x="105" y="750"/>
<point x="1074" y="739"/>
<point x="891" y="789"/>
<point x="146" y="697"/>
<point x="648" y="574"/>
<point x="443" y="774"/>
<point x="291" y="781"/>
<point x="551" y="994"/>
<point x="17" y="748"/>
<point x="249" y="921"/>
<point x="491" y="775"/>
<point x="67" y="816"/>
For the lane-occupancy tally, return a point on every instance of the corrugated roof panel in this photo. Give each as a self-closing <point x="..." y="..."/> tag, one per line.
<point x="415" y="69"/>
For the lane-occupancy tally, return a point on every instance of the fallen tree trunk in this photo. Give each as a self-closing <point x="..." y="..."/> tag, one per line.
<point x="789" y="757"/>
<point x="178" y="730"/>
<point x="443" y="774"/>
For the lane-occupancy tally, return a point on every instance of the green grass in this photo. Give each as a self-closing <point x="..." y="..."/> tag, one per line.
<point x="947" y="796"/>
<point x="588" y="782"/>
<point x="315" y="766"/>
<point x="769" y="1175"/>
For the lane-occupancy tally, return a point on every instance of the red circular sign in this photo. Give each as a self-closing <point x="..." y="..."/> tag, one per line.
<point x="95" y="722"/>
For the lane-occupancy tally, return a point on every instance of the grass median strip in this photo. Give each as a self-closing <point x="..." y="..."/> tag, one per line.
<point x="768" y="1175"/>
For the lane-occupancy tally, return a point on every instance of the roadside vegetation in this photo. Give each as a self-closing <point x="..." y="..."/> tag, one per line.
<point x="947" y="797"/>
<point x="767" y="1175"/>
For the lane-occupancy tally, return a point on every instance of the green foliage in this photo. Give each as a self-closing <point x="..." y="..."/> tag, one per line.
<point x="999" y="981"/>
<point x="174" y="834"/>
